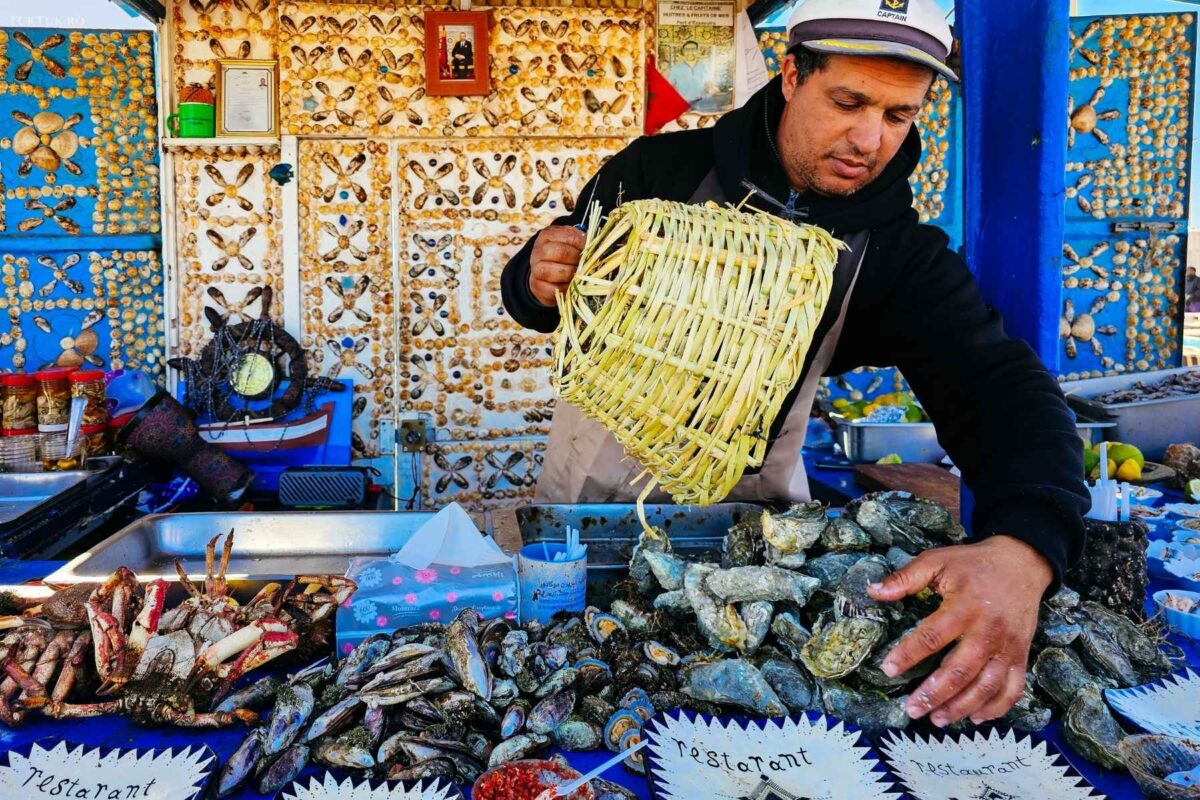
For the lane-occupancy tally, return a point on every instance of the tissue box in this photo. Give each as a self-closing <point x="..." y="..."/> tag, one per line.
<point x="391" y="595"/>
<point x="447" y="565"/>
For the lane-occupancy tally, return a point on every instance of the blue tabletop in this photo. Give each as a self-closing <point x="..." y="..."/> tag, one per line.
<point x="114" y="731"/>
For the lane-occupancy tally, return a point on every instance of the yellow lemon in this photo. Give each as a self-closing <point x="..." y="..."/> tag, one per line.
<point x="1129" y="470"/>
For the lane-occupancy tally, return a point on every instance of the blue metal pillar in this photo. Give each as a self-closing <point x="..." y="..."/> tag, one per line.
<point x="1014" y="88"/>
<point x="1014" y="72"/>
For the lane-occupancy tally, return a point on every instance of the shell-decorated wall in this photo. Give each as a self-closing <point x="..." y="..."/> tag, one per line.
<point x="1128" y="162"/>
<point x="407" y="206"/>
<point x="80" y="276"/>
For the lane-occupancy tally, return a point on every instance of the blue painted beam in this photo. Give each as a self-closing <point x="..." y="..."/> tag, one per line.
<point x="1014" y="71"/>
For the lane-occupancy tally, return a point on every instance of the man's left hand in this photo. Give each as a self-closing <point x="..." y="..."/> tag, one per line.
<point x="991" y="591"/>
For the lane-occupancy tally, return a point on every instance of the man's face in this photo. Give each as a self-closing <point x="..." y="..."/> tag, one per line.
<point x="462" y="37"/>
<point x="844" y="124"/>
<point x="691" y="53"/>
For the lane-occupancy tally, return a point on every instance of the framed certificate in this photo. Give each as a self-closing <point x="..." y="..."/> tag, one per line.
<point x="247" y="97"/>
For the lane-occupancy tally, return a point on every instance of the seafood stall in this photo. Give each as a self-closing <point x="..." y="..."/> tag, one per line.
<point x="747" y="613"/>
<point x="271" y="432"/>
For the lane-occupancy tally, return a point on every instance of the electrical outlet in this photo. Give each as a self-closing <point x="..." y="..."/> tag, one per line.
<point x="412" y="435"/>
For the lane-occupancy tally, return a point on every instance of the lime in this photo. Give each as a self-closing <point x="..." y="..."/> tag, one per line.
<point x="1091" y="460"/>
<point x="914" y="414"/>
<point x="1192" y="490"/>
<point x="1121" y="453"/>
<point x="893" y="458"/>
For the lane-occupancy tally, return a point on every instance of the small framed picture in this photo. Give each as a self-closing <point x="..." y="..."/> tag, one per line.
<point x="247" y="97"/>
<point x="456" y="53"/>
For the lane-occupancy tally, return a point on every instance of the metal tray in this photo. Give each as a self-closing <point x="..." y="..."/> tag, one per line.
<point x="610" y="530"/>
<point x="23" y="493"/>
<point x="1149" y="425"/>
<point x="267" y="547"/>
<point x="867" y="442"/>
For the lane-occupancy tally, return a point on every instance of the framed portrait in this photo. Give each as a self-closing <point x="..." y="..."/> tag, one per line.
<point x="696" y="51"/>
<point x="456" y="53"/>
<point x="247" y="97"/>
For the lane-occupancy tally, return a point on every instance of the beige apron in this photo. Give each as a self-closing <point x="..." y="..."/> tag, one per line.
<point x="584" y="463"/>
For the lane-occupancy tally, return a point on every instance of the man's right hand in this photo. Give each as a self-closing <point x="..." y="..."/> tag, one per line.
<point x="553" y="261"/>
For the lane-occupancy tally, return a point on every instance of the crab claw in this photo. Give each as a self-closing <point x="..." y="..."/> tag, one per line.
<point x="340" y="588"/>
<point x="255" y="644"/>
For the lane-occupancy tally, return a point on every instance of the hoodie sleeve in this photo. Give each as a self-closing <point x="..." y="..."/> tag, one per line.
<point x="620" y="178"/>
<point x="999" y="414"/>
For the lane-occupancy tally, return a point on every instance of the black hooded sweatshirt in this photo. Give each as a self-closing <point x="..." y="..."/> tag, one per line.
<point x="998" y="412"/>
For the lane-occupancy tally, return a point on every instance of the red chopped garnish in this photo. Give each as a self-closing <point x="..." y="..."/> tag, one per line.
<point x="517" y="781"/>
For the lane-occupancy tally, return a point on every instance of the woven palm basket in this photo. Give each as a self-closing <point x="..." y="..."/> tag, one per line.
<point x="685" y="329"/>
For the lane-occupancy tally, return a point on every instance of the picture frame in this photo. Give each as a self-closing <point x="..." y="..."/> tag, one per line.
<point x="247" y="97"/>
<point x="457" y="59"/>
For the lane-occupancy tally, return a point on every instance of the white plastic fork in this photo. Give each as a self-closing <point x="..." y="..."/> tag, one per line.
<point x="567" y="789"/>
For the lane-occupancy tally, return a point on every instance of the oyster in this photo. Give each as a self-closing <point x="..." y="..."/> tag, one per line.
<point x="1027" y="714"/>
<point x="897" y="558"/>
<point x="735" y="682"/>
<point x="514" y="719"/>
<point x="1092" y="731"/>
<point x="830" y="568"/>
<point x="754" y="584"/>
<point x="1060" y="674"/>
<point x="652" y="541"/>
<point x="743" y="546"/>
<point x="1141" y="650"/>
<point x="790" y="633"/>
<point x="667" y="569"/>
<point x="1065" y="598"/>
<point x="719" y="622"/>
<point x="851" y="599"/>
<point x="873" y="517"/>
<point x="796" y="529"/>
<point x="836" y="649"/>
<point x="871" y="671"/>
<point x="621" y="722"/>
<point x="843" y="534"/>
<point x="791" y="684"/>
<point x="1103" y="654"/>
<point x="757" y="617"/>
<point x="674" y="601"/>
<point x="870" y="711"/>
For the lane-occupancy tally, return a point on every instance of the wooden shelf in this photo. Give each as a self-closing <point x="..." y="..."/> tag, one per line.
<point x="221" y="142"/>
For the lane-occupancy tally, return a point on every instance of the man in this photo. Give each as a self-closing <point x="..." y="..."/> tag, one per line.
<point x="463" y="59"/>
<point x="692" y="79"/>
<point x="831" y="142"/>
<point x="1191" y="291"/>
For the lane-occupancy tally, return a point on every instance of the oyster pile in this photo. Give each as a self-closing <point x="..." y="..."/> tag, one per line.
<point x="788" y="623"/>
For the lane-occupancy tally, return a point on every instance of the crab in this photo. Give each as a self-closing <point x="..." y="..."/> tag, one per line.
<point x="164" y="666"/>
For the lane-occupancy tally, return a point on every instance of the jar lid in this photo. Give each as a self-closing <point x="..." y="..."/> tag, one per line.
<point x="7" y="432"/>
<point x="17" y="379"/>
<point x="57" y="374"/>
<point x="87" y="375"/>
<point x="60" y="428"/>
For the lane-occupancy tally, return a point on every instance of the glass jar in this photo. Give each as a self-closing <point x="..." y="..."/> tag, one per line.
<point x="55" y="457"/>
<point x="18" y="451"/>
<point x="89" y="384"/>
<point x="53" y="398"/>
<point x="18" y="402"/>
<point x="95" y="440"/>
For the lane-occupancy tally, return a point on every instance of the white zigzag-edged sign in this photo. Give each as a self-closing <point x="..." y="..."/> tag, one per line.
<point x="1170" y="706"/>
<point x="68" y="771"/>
<point x="327" y="787"/>
<point x="723" y="758"/>
<point x="996" y="765"/>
